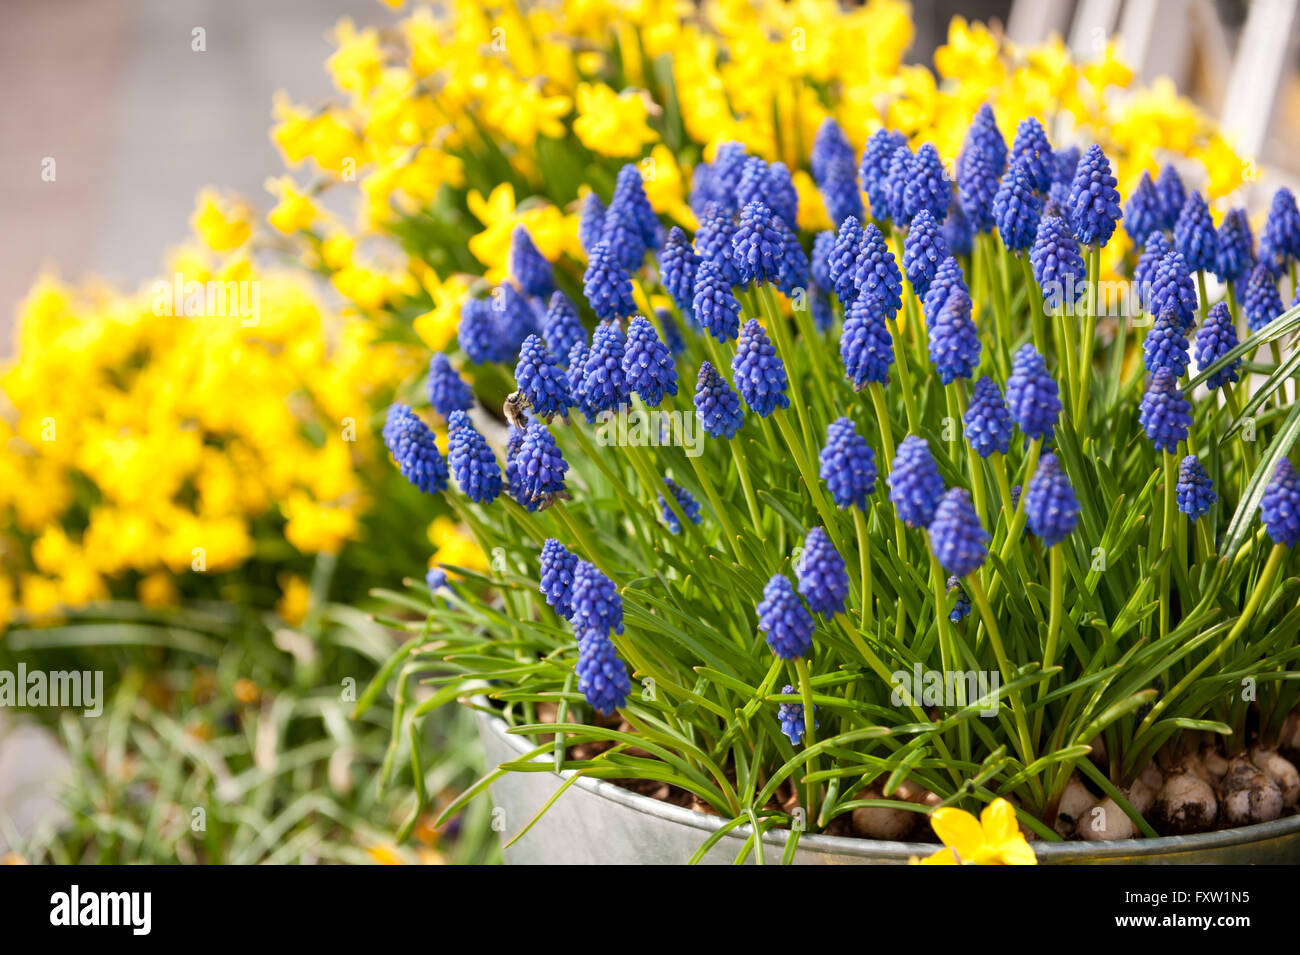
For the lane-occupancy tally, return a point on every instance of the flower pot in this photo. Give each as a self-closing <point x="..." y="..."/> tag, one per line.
<point x="599" y="822"/>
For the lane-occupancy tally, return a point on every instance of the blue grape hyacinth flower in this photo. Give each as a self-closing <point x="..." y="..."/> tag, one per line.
<point x="915" y="485"/>
<point x="602" y="676"/>
<point x="1032" y="394"/>
<point x="1165" y="344"/>
<point x="606" y="285"/>
<point x="415" y="449"/>
<point x="923" y="249"/>
<point x="1058" y="267"/>
<point x="447" y="390"/>
<point x="954" y="343"/>
<point x="541" y="380"/>
<point x="758" y="245"/>
<point x="715" y="305"/>
<point x="1172" y="288"/>
<point x="876" y="273"/>
<point x="685" y="500"/>
<point x="648" y="365"/>
<point x="716" y="405"/>
<point x="1032" y="148"/>
<point x="1093" y="203"/>
<point x="1017" y="208"/>
<point x="541" y="465"/>
<point x="1051" y="506"/>
<point x="591" y="222"/>
<point x="842" y="261"/>
<point x="784" y="619"/>
<point x="866" y="347"/>
<point x="961" y="606"/>
<point x="1214" y="339"/>
<point x="1236" y="254"/>
<point x="822" y="578"/>
<point x="597" y="605"/>
<point x="927" y="189"/>
<point x="988" y="420"/>
<point x="1195" y="490"/>
<point x="1194" y="235"/>
<point x="847" y="465"/>
<point x="604" y="384"/>
<point x="1261" y="301"/>
<point x="759" y="374"/>
<point x="1280" y="506"/>
<point x="561" y="327"/>
<point x="471" y="461"/>
<point x="957" y="539"/>
<point x="1279" y="243"/>
<point x="556" y="582"/>
<point x="1143" y="213"/>
<point x="1165" y="414"/>
<point x="1173" y="196"/>
<point x="528" y="266"/>
<point x="874" y="169"/>
<point x="1154" y="250"/>
<point x="678" y="262"/>
<point x="790" y="716"/>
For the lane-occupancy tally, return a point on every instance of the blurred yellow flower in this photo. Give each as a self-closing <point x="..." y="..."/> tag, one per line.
<point x="221" y="224"/>
<point x="295" y="598"/>
<point x="610" y="123"/>
<point x="454" y="546"/>
<point x="295" y="209"/>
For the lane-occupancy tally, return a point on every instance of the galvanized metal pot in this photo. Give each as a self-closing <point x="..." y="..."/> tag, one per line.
<point x="598" y="822"/>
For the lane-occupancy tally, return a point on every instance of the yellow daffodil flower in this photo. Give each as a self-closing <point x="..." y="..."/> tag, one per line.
<point x="992" y="839"/>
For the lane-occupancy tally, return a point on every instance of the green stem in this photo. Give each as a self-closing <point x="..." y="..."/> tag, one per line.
<point x="810" y="732"/>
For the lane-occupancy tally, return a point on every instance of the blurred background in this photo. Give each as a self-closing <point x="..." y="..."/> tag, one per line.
<point x="136" y="120"/>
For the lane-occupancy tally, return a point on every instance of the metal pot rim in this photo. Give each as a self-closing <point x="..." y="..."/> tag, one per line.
<point x="879" y="849"/>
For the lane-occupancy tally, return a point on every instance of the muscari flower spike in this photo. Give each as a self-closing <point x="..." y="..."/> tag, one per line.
<point x="606" y="285"/>
<point x="1194" y="235"/>
<point x="447" y="390"/>
<point x="1279" y="243"/>
<point x="758" y="245"/>
<point x="984" y="139"/>
<point x="541" y="465"/>
<point x="958" y="232"/>
<point x="759" y="374"/>
<point x="678" y="263"/>
<point x="1195" y="490"/>
<point x="923" y="249"/>
<point x="1236" y="254"/>
<point x="1143" y="213"/>
<point x="528" y="266"/>
<point x="1214" y="339"/>
<point x="1261" y="301"/>
<point x="1094" y="199"/>
<point x="415" y="449"/>
<point x="672" y="333"/>
<point x="647" y="363"/>
<point x="902" y="168"/>
<point x="630" y="197"/>
<point x="819" y="263"/>
<point x="915" y="485"/>
<point x="602" y="677"/>
<point x="597" y="605"/>
<point x="471" y="460"/>
<point x="988" y="420"/>
<point x="784" y="619"/>
<point x="604" y="383"/>
<point x="957" y="539"/>
<point x="1032" y="394"/>
<point x="1156" y="247"/>
<point x="831" y="148"/>
<point x="961" y="607"/>
<point x="1051" y="506"/>
<point x="514" y="474"/>
<point x="435" y="578"/>
<point x="1172" y="195"/>
<point x="841" y="195"/>
<point x="927" y="190"/>
<point x="556" y="584"/>
<point x="713" y="243"/>
<point x="822" y="578"/>
<point x="477" y="333"/>
<point x="1172" y="288"/>
<point x="1280" y="506"/>
<point x="1165" y="344"/>
<point x="685" y="500"/>
<point x="725" y="171"/>
<point x="540" y="379"/>
<point x="874" y="169"/>
<point x="1017" y="208"/>
<point x="561" y="327"/>
<point x="591" y="222"/>
<point x="1067" y="164"/>
<point x="1032" y="148"/>
<point x="622" y="237"/>
<point x="794" y="271"/>
<point x="866" y="347"/>
<point x="716" y="404"/>
<point x="980" y="167"/>
<point x="954" y="343"/>
<point x="819" y="303"/>
<point x="842" y="260"/>
<point x="715" y="306"/>
<point x="1165" y="414"/>
<point x="847" y="465"/>
<point x="1058" y="266"/>
<point x="790" y="716"/>
<point x="578" y="355"/>
<point x="876" y="273"/>
<point x="947" y="278"/>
